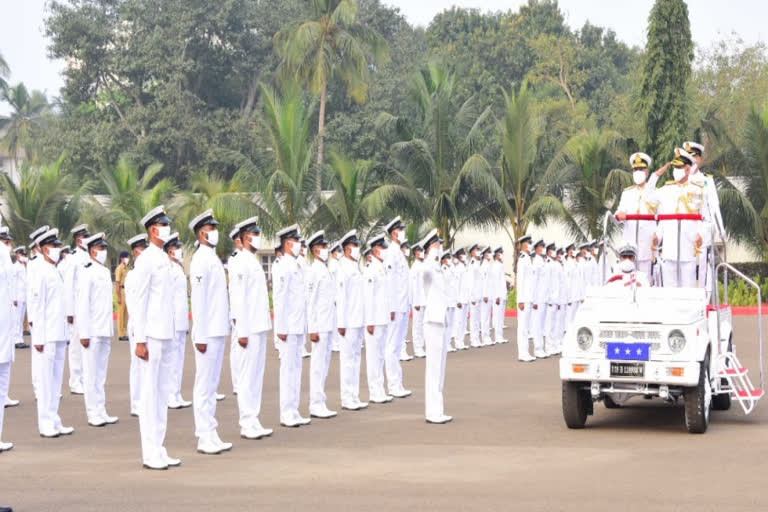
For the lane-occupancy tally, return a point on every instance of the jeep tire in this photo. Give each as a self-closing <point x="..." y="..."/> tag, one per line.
<point x="577" y="404"/>
<point x="698" y="401"/>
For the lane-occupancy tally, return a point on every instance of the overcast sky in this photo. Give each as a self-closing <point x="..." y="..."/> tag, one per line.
<point x="23" y="44"/>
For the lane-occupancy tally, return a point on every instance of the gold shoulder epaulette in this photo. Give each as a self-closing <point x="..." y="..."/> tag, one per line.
<point x="700" y="185"/>
<point x="630" y="188"/>
<point x="710" y="176"/>
<point x="670" y="183"/>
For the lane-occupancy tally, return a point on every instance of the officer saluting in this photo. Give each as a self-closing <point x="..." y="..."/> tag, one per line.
<point x="153" y="326"/>
<point x="51" y="335"/>
<point x="210" y="327"/>
<point x="251" y="321"/>
<point x="417" y="300"/>
<point x="290" y="325"/>
<point x="95" y="328"/>
<point x="321" y="322"/>
<point x="137" y="244"/>
<point x="435" y="338"/>
<point x="350" y="320"/>
<point x="398" y="287"/>
<point x="172" y="248"/>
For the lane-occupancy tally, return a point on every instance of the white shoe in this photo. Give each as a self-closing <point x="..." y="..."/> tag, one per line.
<point x="322" y="412"/>
<point x="440" y="420"/>
<point x="305" y="353"/>
<point x="170" y="461"/>
<point x="157" y="463"/>
<point x="76" y="391"/>
<point x="49" y="434"/>
<point x="208" y="447"/>
<point x="225" y="447"/>
<point x="451" y="349"/>
<point x="4" y="447"/>
<point x="381" y="399"/>
<point x="526" y="358"/>
<point x="97" y="422"/>
<point x="475" y="344"/>
<point x="184" y="403"/>
<point x="290" y="422"/>
<point x="420" y="354"/>
<point x="402" y="393"/>
<point x="302" y="420"/>
<point x="540" y="354"/>
<point x="220" y="397"/>
<point x="174" y="404"/>
<point x="111" y="420"/>
<point x="66" y="431"/>
<point x="10" y="402"/>
<point x="253" y="433"/>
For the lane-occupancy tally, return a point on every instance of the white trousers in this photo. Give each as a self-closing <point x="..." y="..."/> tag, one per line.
<point x="207" y="374"/>
<point x="34" y="360"/>
<point x="537" y="326"/>
<point x="643" y="266"/>
<point x="460" y="324"/>
<point x="524" y="319"/>
<point x="319" y="362"/>
<point x="178" y="347"/>
<point x="474" y="323"/>
<point x="95" y="363"/>
<point x="450" y="324"/>
<point x="18" y="331"/>
<point x="394" y="345"/>
<point x="51" y="376"/>
<point x="375" y="345"/>
<point x="687" y="274"/>
<point x="434" y="374"/>
<point x="250" y="381"/>
<point x="485" y="321"/>
<point x="572" y="309"/>
<point x="153" y="404"/>
<point x="134" y="375"/>
<point x="498" y="319"/>
<point x="562" y="324"/>
<point x="75" y="352"/>
<point x="417" y="331"/>
<point x="5" y="381"/>
<point x="290" y="375"/>
<point x="551" y="327"/>
<point x="349" y="365"/>
<point x="235" y="361"/>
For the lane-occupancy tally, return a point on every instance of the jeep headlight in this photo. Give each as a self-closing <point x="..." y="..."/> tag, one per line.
<point x="676" y="340"/>
<point x="584" y="338"/>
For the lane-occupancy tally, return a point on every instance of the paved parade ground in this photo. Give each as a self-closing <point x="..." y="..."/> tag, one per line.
<point x="507" y="449"/>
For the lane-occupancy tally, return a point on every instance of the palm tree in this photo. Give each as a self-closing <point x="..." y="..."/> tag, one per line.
<point x="130" y="194"/>
<point x="525" y="185"/>
<point x="24" y="121"/>
<point x="5" y="72"/>
<point x="588" y="164"/>
<point x="752" y="216"/>
<point x="359" y="198"/>
<point x="328" y="44"/>
<point x="44" y="195"/>
<point x="440" y="157"/>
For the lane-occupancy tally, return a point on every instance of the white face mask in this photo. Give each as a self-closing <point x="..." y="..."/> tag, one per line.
<point x="322" y="254"/>
<point x="638" y="177"/>
<point x="337" y="255"/>
<point x="163" y="232"/>
<point x="400" y="236"/>
<point x="4" y="249"/>
<point x="178" y="255"/>
<point x="125" y="261"/>
<point x="627" y="266"/>
<point x="55" y="254"/>
<point x="500" y="258"/>
<point x="101" y="256"/>
<point x="434" y="254"/>
<point x="295" y="249"/>
<point x="355" y="253"/>
<point x="212" y="237"/>
<point x="407" y="252"/>
<point x="255" y="242"/>
<point x="678" y="173"/>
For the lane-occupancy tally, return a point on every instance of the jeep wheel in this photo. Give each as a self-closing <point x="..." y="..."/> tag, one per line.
<point x="722" y="402"/>
<point x="577" y="404"/>
<point x="697" y="403"/>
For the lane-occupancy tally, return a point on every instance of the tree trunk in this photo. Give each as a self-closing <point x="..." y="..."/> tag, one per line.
<point x="320" y="135"/>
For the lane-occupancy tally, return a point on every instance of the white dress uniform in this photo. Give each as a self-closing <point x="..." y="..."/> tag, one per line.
<point x="6" y="332"/>
<point x="398" y="288"/>
<point x="73" y="264"/>
<point x="153" y="324"/>
<point x="250" y="312"/>
<point x="32" y="276"/>
<point x="465" y="291"/>
<point x="435" y="318"/>
<point x="628" y="279"/>
<point x="321" y="319"/>
<point x="95" y="323"/>
<point x="485" y="302"/>
<point x="498" y="291"/>
<point x="20" y="285"/>
<point x="644" y="200"/>
<point x="539" y="313"/>
<point x="417" y="300"/>
<point x="562" y="301"/>
<point x="713" y="220"/>
<point x="290" y="320"/>
<point x="51" y="332"/>
<point x="377" y="314"/>
<point x="181" y="326"/>
<point x="235" y="360"/>
<point x="554" y="273"/>
<point x="525" y="289"/>
<point x="573" y="279"/>
<point x="333" y="268"/>
<point x="452" y="299"/>
<point x="135" y="368"/>
<point x="680" y="198"/>
<point x="476" y="299"/>
<point x="210" y="326"/>
<point x="350" y="316"/>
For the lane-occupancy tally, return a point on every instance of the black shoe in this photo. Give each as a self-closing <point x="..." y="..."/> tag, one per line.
<point x="123" y="338"/>
<point x="5" y="509"/>
<point x="22" y="345"/>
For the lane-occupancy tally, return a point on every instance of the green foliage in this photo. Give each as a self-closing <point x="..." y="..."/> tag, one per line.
<point x="25" y="120"/>
<point x="666" y="72"/>
<point x="741" y="294"/>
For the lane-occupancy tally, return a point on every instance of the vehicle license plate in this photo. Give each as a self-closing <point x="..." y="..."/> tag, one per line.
<point x="622" y="369"/>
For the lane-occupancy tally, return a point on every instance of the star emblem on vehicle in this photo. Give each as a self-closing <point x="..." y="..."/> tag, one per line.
<point x="627" y="351"/>
<point x="639" y="351"/>
<point x="617" y="350"/>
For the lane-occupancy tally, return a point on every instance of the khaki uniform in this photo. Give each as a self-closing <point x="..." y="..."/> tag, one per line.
<point x="122" y="311"/>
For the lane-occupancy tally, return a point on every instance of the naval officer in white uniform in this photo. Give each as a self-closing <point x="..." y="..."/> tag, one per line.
<point x="398" y="288"/>
<point x="70" y="270"/>
<point x="175" y="254"/>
